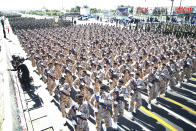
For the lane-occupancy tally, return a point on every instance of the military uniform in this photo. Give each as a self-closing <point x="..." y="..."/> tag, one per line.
<point x="118" y="94"/>
<point x="151" y="88"/>
<point x="65" y="99"/>
<point x="100" y="103"/>
<point x="135" y="96"/>
<point x="51" y="80"/>
<point x="79" y="114"/>
<point x="86" y="81"/>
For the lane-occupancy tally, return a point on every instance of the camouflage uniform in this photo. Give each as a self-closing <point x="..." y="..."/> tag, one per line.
<point x="85" y="90"/>
<point x="101" y="111"/>
<point x="135" y="96"/>
<point x="118" y="94"/>
<point x="65" y="99"/>
<point x="81" y="120"/>
<point x="51" y="80"/>
<point x="152" y="87"/>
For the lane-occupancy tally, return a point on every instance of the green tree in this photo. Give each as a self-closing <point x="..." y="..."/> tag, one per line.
<point x="93" y="11"/>
<point x="113" y="11"/>
<point x="85" y="6"/>
<point x="99" y="11"/>
<point x="77" y="8"/>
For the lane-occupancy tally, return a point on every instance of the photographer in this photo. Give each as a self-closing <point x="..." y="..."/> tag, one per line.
<point x="23" y="74"/>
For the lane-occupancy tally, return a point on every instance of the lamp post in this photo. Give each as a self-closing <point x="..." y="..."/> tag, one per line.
<point x="180" y="2"/>
<point x="172" y="8"/>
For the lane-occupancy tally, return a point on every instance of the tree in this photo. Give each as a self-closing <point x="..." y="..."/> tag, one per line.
<point x="112" y="11"/>
<point x="93" y="11"/>
<point x="85" y="6"/>
<point x="99" y="11"/>
<point x="77" y="8"/>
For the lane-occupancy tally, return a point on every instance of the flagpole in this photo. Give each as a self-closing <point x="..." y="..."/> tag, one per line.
<point x="180" y="2"/>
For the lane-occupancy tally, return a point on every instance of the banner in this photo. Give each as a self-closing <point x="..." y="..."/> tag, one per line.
<point x="183" y="10"/>
<point x="122" y="11"/>
<point x="142" y="10"/>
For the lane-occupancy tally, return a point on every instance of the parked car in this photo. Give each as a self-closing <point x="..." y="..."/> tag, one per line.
<point x="83" y="18"/>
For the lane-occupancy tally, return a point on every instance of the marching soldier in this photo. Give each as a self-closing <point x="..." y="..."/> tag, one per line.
<point x="69" y="78"/>
<point x="51" y="78"/>
<point x="64" y="92"/>
<point x="96" y="85"/>
<point x="100" y="102"/>
<point x="118" y="94"/>
<point x="133" y="86"/>
<point x="84" y="90"/>
<point x="79" y="113"/>
<point x="152" y="83"/>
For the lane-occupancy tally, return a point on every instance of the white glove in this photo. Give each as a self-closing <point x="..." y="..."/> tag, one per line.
<point x="101" y="100"/>
<point x="74" y="122"/>
<point x="132" y="92"/>
<point x="121" y="95"/>
<point x="95" y="110"/>
<point x="78" y="113"/>
<point x="57" y="82"/>
<point x="61" y="89"/>
<point x="115" y="102"/>
<point x="150" y="84"/>
<point x="140" y="87"/>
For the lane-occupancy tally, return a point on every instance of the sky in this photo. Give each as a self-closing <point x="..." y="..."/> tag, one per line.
<point x="100" y="4"/>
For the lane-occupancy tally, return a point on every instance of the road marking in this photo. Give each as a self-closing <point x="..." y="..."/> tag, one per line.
<point x="127" y="116"/>
<point x="177" y="115"/>
<point x="179" y="104"/>
<point x="158" y="119"/>
<point x="185" y="89"/>
<point x="182" y="96"/>
<point x="172" y="113"/>
<point x="193" y="78"/>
